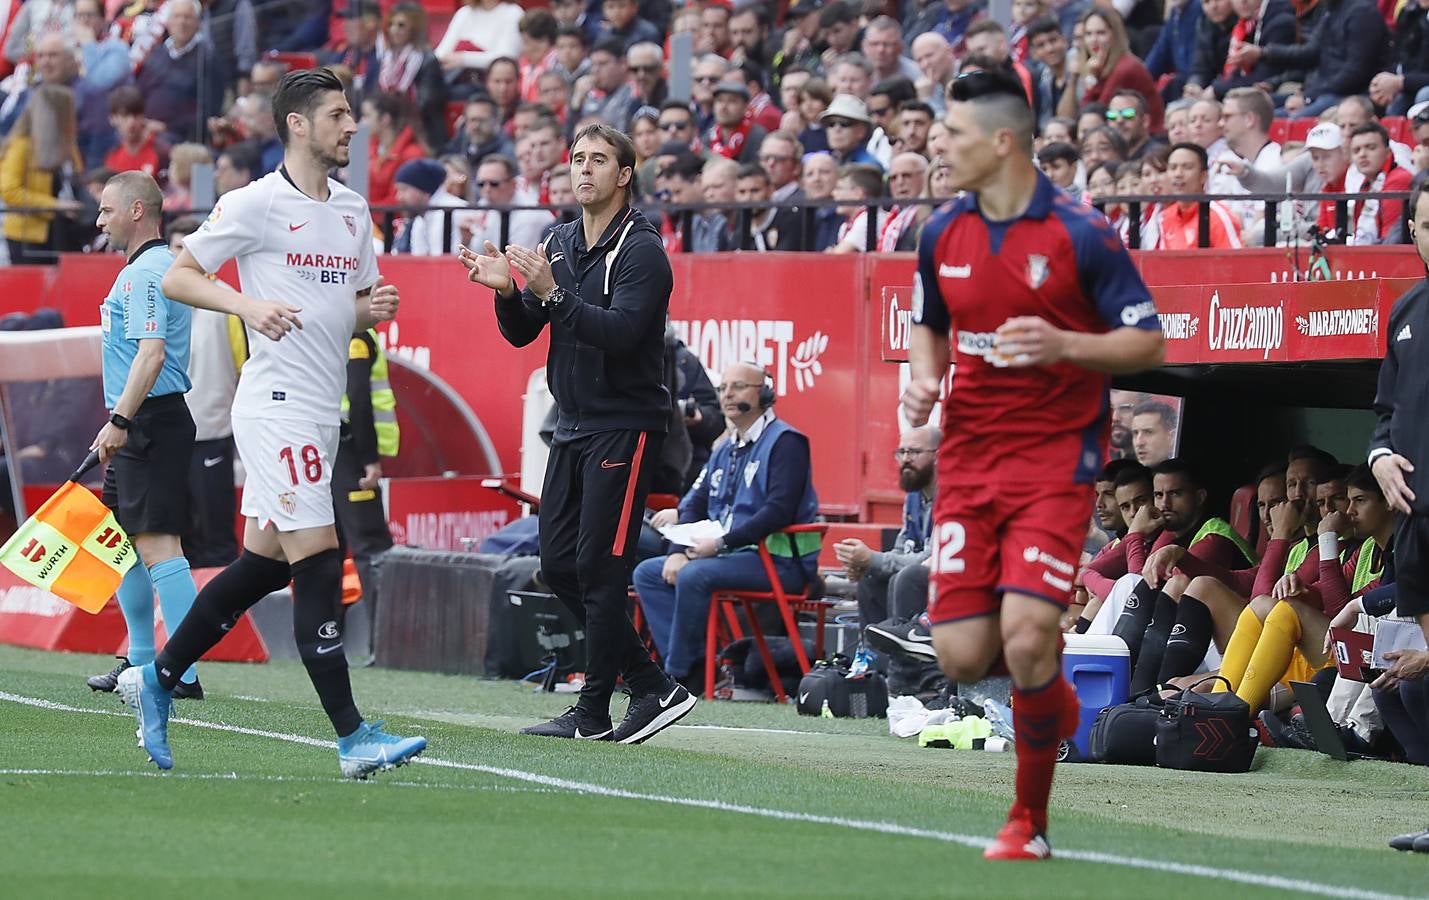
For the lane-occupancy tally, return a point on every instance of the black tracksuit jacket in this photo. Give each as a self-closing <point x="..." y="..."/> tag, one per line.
<point x="605" y="366"/>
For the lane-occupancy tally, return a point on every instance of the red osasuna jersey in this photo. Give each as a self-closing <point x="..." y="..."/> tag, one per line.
<point x="1061" y="261"/>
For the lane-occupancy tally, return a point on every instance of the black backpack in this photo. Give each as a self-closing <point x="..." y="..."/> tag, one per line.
<point x="858" y="697"/>
<point x="1125" y="734"/>
<point x="1205" y="732"/>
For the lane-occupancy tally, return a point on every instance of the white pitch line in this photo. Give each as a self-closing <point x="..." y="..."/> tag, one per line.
<point x="1254" y="879"/>
<point x="234" y="776"/>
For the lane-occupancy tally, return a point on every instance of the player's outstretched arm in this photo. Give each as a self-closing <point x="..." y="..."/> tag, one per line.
<point x="187" y="283"/>
<point x="1033" y="341"/>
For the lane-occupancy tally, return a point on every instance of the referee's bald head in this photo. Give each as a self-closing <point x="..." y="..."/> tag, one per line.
<point x="137" y="187"/>
<point x="998" y="101"/>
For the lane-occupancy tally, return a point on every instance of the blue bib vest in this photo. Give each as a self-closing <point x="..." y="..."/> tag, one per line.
<point x="737" y="484"/>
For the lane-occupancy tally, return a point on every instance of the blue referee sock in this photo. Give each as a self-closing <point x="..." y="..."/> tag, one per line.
<point x="175" y="584"/>
<point x="136" y="601"/>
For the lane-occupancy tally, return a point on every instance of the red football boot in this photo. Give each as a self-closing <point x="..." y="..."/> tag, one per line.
<point x="1019" y="839"/>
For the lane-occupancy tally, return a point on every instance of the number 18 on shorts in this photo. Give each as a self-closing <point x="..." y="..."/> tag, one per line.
<point x="288" y="464"/>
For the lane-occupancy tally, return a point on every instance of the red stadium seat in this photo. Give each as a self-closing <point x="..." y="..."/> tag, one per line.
<point x="722" y="617"/>
<point x="1244" y="518"/>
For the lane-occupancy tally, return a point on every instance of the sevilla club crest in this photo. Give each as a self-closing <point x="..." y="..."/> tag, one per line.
<point x="351" y="225"/>
<point x="1036" y="270"/>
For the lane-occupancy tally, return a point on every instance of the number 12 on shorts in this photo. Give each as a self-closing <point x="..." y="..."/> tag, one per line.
<point x="949" y="538"/>
<point x="311" y="459"/>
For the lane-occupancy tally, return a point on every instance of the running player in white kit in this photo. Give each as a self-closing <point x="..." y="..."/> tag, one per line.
<point x="309" y="281"/>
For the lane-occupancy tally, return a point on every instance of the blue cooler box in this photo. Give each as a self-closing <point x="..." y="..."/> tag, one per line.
<point x="1099" y="666"/>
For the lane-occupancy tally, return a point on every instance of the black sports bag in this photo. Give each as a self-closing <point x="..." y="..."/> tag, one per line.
<point x="1125" y="734"/>
<point x="1205" y="732"/>
<point x="859" y="697"/>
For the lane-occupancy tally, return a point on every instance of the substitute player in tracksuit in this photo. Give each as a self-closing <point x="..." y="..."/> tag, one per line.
<point x="1035" y="299"/>
<point x="603" y="285"/>
<point x="150" y="434"/>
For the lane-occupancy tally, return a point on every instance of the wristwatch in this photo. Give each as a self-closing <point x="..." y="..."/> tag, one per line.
<point x="555" y="298"/>
<point x="120" y="422"/>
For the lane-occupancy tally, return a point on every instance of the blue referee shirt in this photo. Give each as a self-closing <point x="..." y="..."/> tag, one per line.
<point x="135" y="310"/>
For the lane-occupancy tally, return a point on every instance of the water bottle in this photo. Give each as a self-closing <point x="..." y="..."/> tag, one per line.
<point x="999" y="716"/>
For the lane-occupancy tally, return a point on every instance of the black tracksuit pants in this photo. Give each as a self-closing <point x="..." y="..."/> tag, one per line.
<point x="592" y="505"/>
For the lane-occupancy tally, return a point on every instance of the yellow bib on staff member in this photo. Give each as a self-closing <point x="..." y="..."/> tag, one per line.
<point x="72" y="547"/>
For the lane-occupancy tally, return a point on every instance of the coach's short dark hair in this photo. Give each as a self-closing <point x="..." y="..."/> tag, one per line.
<point x="300" y="91"/>
<point x="619" y="141"/>
<point x="1159" y="408"/>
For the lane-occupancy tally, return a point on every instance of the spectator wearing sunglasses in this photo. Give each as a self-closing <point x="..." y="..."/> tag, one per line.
<point x="847" y="125"/>
<point x="646" y="63"/>
<point x="1127" y="116"/>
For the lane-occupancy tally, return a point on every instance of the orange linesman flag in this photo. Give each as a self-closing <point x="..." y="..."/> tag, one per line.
<point x="72" y="547"/>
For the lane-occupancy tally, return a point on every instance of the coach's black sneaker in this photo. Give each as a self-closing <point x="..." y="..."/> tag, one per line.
<point x="649" y="714"/>
<point x="1416" y="840"/>
<point x="578" y="723"/>
<point x="185" y="691"/>
<point x="110" y="680"/>
<point x="908" y="639"/>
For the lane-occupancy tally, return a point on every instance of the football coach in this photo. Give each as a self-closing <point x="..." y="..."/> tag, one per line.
<point x="603" y="285"/>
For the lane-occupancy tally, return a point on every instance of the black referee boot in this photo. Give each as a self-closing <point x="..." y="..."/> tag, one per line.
<point x="577" y="723"/>
<point x="109" y="680"/>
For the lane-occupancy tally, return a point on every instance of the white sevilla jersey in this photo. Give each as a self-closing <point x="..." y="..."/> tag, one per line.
<point x="305" y="253"/>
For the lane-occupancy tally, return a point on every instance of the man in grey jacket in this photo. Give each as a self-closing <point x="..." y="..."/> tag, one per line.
<point x="894" y="583"/>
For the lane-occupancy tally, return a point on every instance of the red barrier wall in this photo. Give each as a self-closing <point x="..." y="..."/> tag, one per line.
<point x="824" y="326"/>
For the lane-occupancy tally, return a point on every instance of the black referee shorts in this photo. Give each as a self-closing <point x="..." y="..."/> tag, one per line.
<point x="1411" y="565"/>
<point x="146" y="483"/>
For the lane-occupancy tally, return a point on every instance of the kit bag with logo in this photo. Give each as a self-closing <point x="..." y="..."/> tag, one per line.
<point x="858" y="697"/>
<point x="1205" y="732"/>
<point x="1125" y="734"/>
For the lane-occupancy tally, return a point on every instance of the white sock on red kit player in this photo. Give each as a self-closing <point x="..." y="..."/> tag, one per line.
<point x="1034" y="298"/>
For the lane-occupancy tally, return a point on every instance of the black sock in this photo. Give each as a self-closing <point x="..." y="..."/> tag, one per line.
<point x="317" y="598"/>
<point x="1153" y="645"/>
<point x="1135" y="616"/>
<point x="1190" y="638"/>
<point x="216" y="609"/>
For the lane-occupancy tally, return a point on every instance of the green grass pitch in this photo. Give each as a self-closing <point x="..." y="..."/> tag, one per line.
<point x="740" y="800"/>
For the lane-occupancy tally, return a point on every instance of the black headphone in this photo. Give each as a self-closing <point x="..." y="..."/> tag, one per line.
<point x="767" y="396"/>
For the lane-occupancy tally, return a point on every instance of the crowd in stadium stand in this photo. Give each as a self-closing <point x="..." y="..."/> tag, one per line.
<point x="809" y="99"/>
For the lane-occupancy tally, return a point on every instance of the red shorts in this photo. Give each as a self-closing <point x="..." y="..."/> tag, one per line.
<point x="990" y="538"/>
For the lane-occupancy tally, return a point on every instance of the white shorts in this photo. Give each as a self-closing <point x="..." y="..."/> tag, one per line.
<point x="289" y="471"/>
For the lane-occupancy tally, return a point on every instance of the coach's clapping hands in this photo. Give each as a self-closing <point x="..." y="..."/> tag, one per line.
<point x="489" y="269"/>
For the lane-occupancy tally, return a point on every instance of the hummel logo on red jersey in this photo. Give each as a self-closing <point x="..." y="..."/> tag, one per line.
<point x="607" y="464"/>
<point x="947" y="271"/>
<point x="292" y="227"/>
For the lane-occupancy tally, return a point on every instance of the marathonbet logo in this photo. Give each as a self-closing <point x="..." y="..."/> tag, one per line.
<point x="324" y="268"/>
<point x="1338" y="322"/>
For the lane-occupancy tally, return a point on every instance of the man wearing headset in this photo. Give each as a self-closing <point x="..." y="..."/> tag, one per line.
<point x="756" y="482"/>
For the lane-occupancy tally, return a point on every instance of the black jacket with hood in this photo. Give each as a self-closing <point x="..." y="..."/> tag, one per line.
<point x="606" y="363"/>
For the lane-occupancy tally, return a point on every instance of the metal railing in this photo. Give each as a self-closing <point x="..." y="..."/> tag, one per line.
<point x="745" y="215"/>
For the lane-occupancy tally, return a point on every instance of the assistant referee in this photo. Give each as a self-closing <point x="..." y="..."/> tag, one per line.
<point x="149" y="438"/>
<point x="603" y="285"/>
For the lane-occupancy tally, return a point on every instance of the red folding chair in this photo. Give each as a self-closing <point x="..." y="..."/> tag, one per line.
<point x="723" y="617"/>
